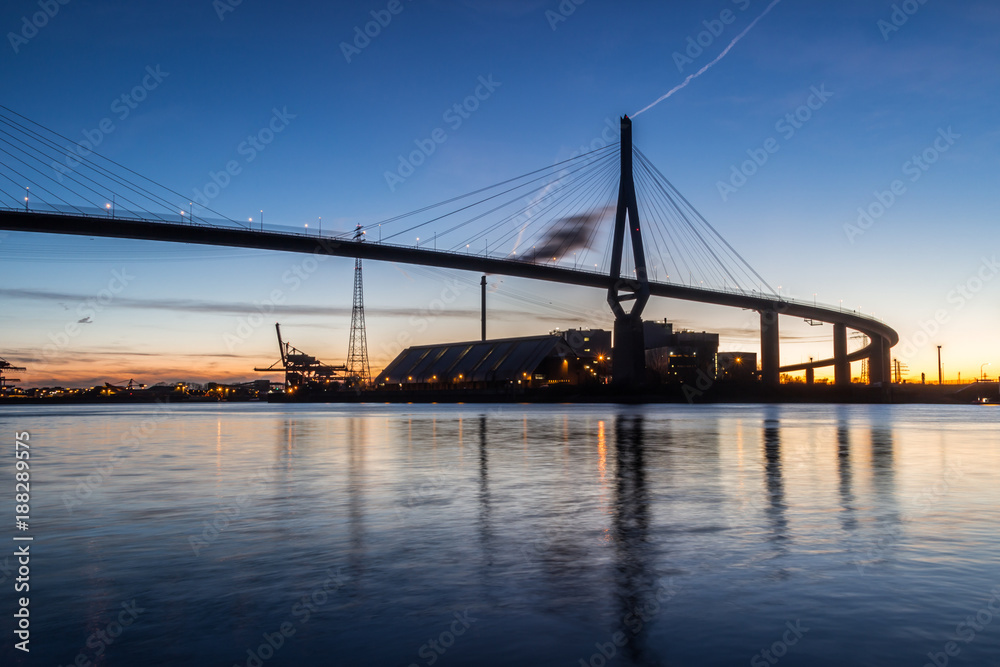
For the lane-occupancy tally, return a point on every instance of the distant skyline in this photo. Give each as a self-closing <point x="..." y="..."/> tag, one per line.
<point x="848" y="150"/>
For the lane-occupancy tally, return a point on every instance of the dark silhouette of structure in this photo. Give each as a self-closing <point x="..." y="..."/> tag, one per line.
<point x="304" y="372"/>
<point x="357" y="351"/>
<point x="628" y="365"/>
<point x="6" y="367"/>
<point x="158" y="221"/>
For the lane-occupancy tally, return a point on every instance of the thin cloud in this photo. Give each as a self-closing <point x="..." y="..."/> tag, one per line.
<point x="692" y="77"/>
<point x="240" y="308"/>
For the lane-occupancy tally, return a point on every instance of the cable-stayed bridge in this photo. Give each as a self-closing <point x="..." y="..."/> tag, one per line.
<point x="606" y="219"/>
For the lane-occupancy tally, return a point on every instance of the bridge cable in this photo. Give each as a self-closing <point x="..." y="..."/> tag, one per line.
<point x="494" y="226"/>
<point x="658" y="227"/>
<point x="704" y="246"/>
<point x="693" y="251"/>
<point x="609" y="198"/>
<point x="535" y="202"/>
<point x="97" y="169"/>
<point x="463" y="208"/>
<point x="585" y="205"/>
<point x="104" y="157"/>
<point x="100" y="195"/>
<point x="661" y="227"/>
<point x="560" y="199"/>
<point x="40" y="187"/>
<point x="36" y="184"/>
<point x="705" y="222"/>
<point x="481" y="190"/>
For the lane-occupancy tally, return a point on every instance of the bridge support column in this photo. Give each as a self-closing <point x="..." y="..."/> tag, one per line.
<point x="880" y="362"/>
<point x="483" y="285"/>
<point x="628" y="360"/>
<point x="769" y="348"/>
<point x="841" y="366"/>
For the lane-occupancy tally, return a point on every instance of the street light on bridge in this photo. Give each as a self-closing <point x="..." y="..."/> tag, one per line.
<point x="981" y="367"/>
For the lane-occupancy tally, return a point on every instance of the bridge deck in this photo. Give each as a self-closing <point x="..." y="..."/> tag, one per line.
<point x="59" y="223"/>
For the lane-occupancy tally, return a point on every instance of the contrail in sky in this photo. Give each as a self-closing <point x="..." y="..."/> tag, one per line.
<point x="692" y="77"/>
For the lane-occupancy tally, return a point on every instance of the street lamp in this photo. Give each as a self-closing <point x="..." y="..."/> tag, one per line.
<point x="981" y="367"/>
<point x="26" y="188"/>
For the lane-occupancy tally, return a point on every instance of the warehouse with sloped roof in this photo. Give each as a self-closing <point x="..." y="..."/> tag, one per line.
<point x="527" y="361"/>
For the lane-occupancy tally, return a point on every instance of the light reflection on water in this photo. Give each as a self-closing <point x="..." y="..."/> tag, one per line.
<point x="546" y="535"/>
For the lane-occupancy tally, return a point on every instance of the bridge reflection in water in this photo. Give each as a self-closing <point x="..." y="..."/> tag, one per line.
<point x="667" y="535"/>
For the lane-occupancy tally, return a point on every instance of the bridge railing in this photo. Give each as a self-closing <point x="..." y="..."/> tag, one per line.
<point x="127" y="215"/>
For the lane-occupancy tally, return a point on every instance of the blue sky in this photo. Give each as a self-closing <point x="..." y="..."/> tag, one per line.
<point x="890" y="94"/>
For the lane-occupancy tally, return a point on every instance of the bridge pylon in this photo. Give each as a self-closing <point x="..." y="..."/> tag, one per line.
<point x="357" y="351"/>
<point x="629" y="349"/>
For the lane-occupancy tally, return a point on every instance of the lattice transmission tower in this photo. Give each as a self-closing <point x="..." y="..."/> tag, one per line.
<point x="357" y="352"/>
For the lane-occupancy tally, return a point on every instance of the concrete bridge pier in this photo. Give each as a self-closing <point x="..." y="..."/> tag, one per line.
<point x="769" y="348"/>
<point x="841" y="366"/>
<point x="628" y="354"/>
<point x="880" y="362"/>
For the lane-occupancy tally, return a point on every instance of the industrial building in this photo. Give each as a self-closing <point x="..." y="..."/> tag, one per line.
<point x="737" y="366"/>
<point x="573" y="357"/>
<point x="679" y="356"/>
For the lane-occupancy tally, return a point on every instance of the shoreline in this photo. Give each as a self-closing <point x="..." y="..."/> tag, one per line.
<point x="971" y="394"/>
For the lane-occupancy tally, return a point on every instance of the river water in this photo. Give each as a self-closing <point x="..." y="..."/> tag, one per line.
<point x="252" y="534"/>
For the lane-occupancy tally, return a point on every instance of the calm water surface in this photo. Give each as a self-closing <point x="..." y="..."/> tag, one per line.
<point x="508" y="535"/>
